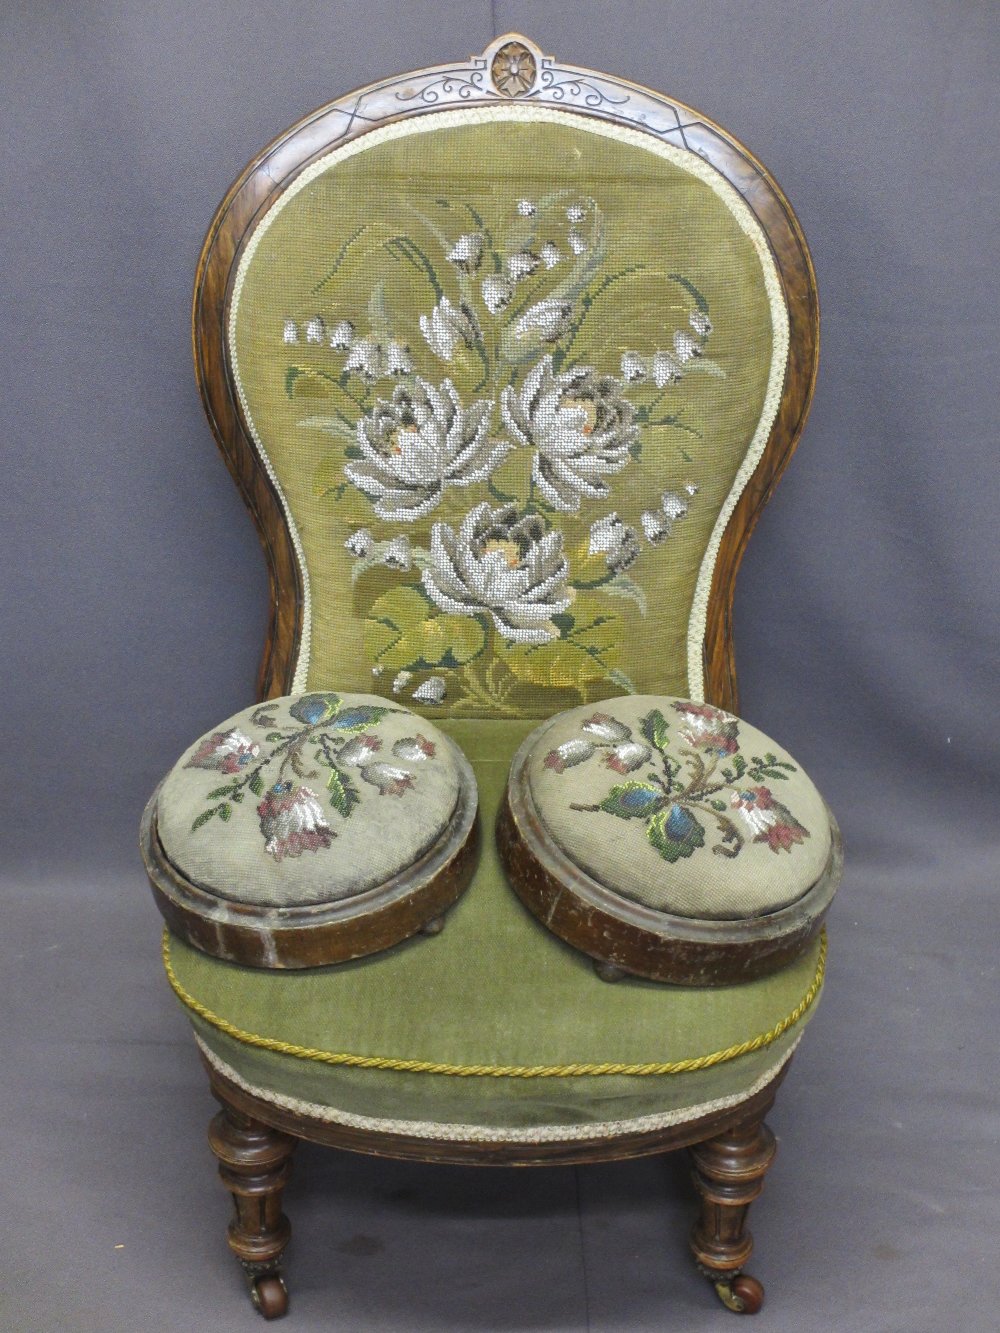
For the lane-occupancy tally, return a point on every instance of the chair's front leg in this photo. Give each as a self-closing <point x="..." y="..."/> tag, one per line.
<point x="729" y="1172"/>
<point x="254" y="1163"/>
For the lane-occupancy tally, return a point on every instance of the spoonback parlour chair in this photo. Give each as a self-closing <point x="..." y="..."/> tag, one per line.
<point x="505" y="357"/>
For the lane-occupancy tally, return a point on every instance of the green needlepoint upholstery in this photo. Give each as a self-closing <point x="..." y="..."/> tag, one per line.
<point x="312" y="798"/>
<point x="494" y="991"/>
<point x="679" y="806"/>
<point x="511" y="370"/>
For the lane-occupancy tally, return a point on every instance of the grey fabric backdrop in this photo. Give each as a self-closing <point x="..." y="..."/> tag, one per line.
<point x="134" y="609"/>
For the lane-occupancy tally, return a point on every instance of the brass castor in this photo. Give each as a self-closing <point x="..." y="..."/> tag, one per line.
<point x="434" y="926"/>
<point x="269" y="1295"/>
<point x="742" y="1294"/>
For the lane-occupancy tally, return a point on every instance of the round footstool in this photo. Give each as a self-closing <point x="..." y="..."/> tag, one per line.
<point x="311" y="829"/>
<point x="670" y="840"/>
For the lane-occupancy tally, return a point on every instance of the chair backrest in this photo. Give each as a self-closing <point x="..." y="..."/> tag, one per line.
<point x="506" y="357"/>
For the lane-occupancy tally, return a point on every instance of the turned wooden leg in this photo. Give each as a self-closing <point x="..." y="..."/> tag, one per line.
<point x="729" y="1172"/>
<point x="253" y="1163"/>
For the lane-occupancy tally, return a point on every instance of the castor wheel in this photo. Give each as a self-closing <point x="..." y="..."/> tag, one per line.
<point x="434" y="926"/>
<point x="742" y="1294"/>
<point x="269" y="1295"/>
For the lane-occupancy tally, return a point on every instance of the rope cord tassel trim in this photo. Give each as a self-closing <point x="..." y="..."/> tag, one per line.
<point x="687" y="1066"/>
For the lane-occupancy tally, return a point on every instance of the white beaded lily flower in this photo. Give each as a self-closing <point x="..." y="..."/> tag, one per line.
<point x="497" y="293"/>
<point x="618" y="543"/>
<point x="580" y="426"/>
<point x="467" y="252"/>
<point x="700" y="322"/>
<point x="360" y="543"/>
<point x="342" y="336"/>
<point x="522" y="264"/>
<point x="507" y="566"/>
<point x="686" y="347"/>
<point x="633" y="367"/>
<point x="549" y="319"/>
<point x="550" y="254"/>
<point x="432" y="691"/>
<point x="665" y="370"/>
<point x="419" y="442"/>
<point x="366" y="358"/>
<point x="447" y="326"/>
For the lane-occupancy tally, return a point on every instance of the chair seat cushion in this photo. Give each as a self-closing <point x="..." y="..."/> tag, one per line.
<point x="679" y="806"/>
<point x="493" y="1029"/>
<point x="310" y="829"/>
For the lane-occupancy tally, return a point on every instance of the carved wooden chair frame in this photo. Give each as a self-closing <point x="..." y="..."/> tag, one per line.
<point x="253" y="1139"/>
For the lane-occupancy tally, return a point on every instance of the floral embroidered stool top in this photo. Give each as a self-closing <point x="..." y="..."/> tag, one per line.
<point x="318" y="810"/>
<point x="658" y="819"/>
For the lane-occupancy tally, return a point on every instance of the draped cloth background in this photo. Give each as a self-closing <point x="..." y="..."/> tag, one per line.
<point x="134" y="605"/>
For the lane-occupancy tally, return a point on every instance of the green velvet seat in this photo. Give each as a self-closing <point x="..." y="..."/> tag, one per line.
<point x="390" y="1041"/>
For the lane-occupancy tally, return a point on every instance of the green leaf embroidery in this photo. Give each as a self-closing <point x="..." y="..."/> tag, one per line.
<point x="654" y="728"/>
<point x="225" y="812"/>
<point x="660" y="832"/>
<point x="343" y="794"/>
<point x="705" y="366"/>
<point x="220" y="791"/>
<point x="203" y="818"/>
<point x="690" y="287"/>
<point x="256" y="783"/>
<point x="402" y="633"/>
<point x="351" y="720"/>
<point x="632" y="800"/>
<point x="623" y="586"/>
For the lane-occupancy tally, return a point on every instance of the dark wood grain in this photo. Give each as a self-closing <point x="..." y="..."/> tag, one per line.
<point x="253" y="1162"/>
<point x="728" y="1174"/>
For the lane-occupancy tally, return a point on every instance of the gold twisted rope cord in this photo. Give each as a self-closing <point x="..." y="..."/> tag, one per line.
<point x="687" y="1066"/>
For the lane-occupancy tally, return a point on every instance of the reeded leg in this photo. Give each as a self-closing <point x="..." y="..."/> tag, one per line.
<point x="728" y="1174"/>
<point x="254" y="1163"/>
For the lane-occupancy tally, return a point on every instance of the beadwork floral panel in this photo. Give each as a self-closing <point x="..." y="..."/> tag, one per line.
<point x="510" y="369"/>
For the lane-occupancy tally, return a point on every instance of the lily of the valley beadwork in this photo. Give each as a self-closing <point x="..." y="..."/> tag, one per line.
<point x="345" y="749"/>
<point x="493" y="508"/>
<point x="677" y="793"/>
